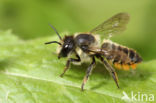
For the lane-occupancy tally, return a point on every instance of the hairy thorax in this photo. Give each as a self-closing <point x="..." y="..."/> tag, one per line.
<point x="85" y="39"/>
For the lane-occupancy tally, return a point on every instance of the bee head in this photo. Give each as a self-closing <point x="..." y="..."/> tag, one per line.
<point x="67" y="44"/>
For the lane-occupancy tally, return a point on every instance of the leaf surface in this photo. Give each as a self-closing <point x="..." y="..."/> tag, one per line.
<point x="29" y="73"/>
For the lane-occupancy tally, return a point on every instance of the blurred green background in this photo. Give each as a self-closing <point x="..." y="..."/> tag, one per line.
<point x="29" y="19"/>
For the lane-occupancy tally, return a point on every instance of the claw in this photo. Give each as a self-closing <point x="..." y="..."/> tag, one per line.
<point x="62" y="75"/>
<point x="84" y="82"/>
<point x="82" y="87"/>
<point x="115" y="77"/>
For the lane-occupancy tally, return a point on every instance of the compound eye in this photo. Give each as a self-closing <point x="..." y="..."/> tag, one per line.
<point x="66" y="46"/>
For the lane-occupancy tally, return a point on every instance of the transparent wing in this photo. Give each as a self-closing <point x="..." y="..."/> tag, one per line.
<point x="114" y="25"/>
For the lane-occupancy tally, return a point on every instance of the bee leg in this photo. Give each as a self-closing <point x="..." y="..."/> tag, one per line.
<point x="88" y="72"/>
<point x="68" y="63"/>
<point x="111" y="70"/>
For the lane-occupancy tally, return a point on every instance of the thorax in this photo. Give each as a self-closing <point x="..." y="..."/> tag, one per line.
<point x="88" y="40"/>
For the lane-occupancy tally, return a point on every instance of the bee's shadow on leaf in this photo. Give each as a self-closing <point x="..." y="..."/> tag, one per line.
<point x="4" y="64"/>
<point x="124" y="76"/>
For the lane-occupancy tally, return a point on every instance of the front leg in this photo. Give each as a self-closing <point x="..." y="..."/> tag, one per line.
<point x="88" y="72"/>
<point x="68" y="63"/>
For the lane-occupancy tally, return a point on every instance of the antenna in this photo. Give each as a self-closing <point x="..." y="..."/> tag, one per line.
<point x="55" y="31"/>
<point x="53" y="42"/>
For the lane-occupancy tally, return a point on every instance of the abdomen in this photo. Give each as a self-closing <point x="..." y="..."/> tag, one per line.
<point x="120" y="56"/>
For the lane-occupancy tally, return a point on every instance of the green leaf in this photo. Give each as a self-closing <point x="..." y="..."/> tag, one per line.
<point x="29" y="73"/>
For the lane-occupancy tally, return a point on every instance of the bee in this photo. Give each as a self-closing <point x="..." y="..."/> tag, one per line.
<point x="86" y="47"/>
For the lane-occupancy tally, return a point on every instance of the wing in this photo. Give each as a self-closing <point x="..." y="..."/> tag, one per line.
<point x="114" y="25"/>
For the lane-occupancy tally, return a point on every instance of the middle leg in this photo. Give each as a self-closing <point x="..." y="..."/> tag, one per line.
<point x="88" y="72"/>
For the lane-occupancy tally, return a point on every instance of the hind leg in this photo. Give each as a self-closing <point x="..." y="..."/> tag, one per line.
<point x="111" y="70"/>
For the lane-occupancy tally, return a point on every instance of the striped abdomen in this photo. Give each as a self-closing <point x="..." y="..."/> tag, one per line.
<point x="120" y="56"/>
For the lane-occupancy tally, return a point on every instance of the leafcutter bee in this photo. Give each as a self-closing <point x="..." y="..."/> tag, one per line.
<point x="86" y="47"/>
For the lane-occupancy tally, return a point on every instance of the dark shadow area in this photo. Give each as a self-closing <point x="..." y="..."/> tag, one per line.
<point x="4" y="64"/>
<point x="100" y="84"/>
<point x="124" y="76"/>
